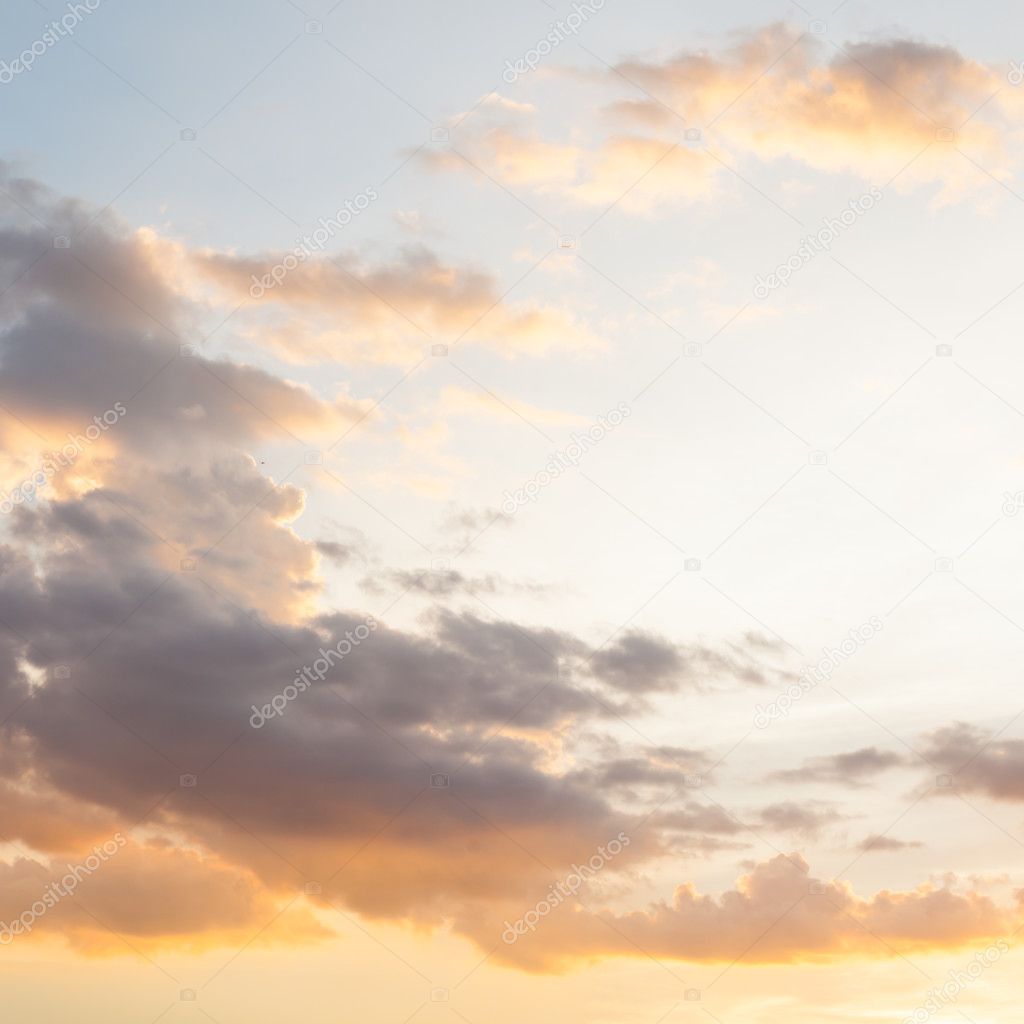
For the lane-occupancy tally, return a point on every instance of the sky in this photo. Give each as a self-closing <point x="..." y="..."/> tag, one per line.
<point x="511" y="512"/>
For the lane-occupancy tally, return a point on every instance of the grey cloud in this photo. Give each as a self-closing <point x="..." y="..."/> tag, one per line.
<point x="851" y="768"/>
<point x="978" y="761"/>
<point x="339" y="554"/>
<point x="887" y="844"/>
<point x="641" y="663"/>
<point x="806" y="819"/>
<point x="122" y="669"/>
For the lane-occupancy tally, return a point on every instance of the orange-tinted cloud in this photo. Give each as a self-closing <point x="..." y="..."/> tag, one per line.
<point x="119" y="674"/>
<point x="142" y="895"/>
<point x="343" y="308"/>
<point x="778" y="913"/>
<point x="875" y="109"/>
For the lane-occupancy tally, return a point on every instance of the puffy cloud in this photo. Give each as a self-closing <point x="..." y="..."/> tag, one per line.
<point x="778" y="913"/>
<point x="96" y="324"/>
<point x="123" y="668"/>
<point x="866" y="107"/>
<point x="223" y="517"/>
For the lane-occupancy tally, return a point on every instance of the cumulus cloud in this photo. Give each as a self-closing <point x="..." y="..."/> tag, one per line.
<point x="150" y="605"/>
<point x="96" y="324"/>
<point x="778" y="913"/>
<point x="156" y="599"/>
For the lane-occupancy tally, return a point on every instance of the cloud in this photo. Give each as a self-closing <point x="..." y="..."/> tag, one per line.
<point x="336" y="552"/>
<point x="344" y="308"/>
<point x="445" y="583"/>
<point x="702" y="819"/>
<point x="148" y="895"/>
<point x="979" y="762"/>
<point x="887" y="844"/>
<point x="806" y="819"/>
<point x="642" y="663"/>
<point x="778" y="913"/>
<point x="627" y="169"/>
<point x="150" y="601"/>
<point x="851" y="768"/>
<point x="463" y="526"/>
<point x="517" y="157"/>
<point x="876" y="109"/>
